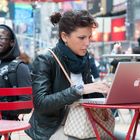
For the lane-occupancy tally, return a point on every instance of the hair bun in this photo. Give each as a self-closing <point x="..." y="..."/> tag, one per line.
<point x="55" y="18"/>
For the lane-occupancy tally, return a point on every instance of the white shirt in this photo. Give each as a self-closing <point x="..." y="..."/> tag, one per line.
<point x="76" y="78"/>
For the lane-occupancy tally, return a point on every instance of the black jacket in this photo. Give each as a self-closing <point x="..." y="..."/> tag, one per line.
<point x="23" y="77"/>
<point x="51" y="94"/>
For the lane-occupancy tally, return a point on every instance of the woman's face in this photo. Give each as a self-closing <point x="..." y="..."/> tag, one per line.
<point x="78" y="41"/>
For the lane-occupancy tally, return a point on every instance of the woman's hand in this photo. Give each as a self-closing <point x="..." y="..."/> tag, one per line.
<point x="100" y="87"/>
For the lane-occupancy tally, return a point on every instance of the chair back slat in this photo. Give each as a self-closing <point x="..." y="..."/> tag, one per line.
<point x="16" y="105"/>
<point x="15" y="91"/>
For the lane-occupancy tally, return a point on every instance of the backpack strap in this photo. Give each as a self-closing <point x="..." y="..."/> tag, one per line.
<point x="12" y="72"/>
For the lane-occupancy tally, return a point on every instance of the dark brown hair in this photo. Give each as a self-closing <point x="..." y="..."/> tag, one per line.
<point x="24" y="57"/>
<point x="71" y="20"/>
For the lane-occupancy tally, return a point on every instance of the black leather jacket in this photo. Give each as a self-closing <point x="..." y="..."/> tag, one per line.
<point x="51" y="94"/>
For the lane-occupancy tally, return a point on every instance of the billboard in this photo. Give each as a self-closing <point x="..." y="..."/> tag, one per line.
<point x="119" y="5"/>
<point x="118" y="29"/>
<point x="76" y="5"/>
<point x="4" y="9"/>
<point x="110" y="29"/>
<point x="103" y="32"/>
<point x="23" y="18"/>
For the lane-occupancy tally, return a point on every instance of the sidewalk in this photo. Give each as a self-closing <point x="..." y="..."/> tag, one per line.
<point x="122" y="125"/>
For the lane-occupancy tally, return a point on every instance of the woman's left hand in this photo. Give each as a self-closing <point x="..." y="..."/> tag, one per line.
<point x="100" y="87"/>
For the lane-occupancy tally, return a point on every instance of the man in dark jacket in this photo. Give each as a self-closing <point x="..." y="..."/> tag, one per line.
<point x="9" y="51"/>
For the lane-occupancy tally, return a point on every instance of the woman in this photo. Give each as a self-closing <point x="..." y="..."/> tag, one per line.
<point x="51" y="89"/>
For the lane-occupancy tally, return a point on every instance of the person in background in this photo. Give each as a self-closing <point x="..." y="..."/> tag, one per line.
<point x="52" y="92"/>
<point x="117" y="49"/>
<point x="136" y="50"/>
<point x="26" y="59"/>
<point x="138" y="40"/>
<point x="9" y="51"/>
<point x="93" y="65"/>
<point x="94" y="70"/>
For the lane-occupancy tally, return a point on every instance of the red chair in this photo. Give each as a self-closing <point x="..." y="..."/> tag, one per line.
<point x="9" y="126"/>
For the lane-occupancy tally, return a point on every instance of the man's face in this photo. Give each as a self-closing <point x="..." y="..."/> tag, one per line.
<point x="5" y="40"/>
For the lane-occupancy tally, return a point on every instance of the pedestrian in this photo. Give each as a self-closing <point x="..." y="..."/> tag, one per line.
<point x="117" y="49"/>
<point x="52" y="92"/>
<point x="93" y="65"/>
<point x="138" y="40"/>
<point x="26" y="59"/>
<point x="19" y="77"/>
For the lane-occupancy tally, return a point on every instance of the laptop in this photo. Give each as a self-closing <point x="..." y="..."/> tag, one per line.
<point x="125" y="88"/>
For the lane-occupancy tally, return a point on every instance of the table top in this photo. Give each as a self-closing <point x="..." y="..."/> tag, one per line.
<point x="7" y="126"/>
<point x="121" y="106"/>
<point x="122" y="55"/>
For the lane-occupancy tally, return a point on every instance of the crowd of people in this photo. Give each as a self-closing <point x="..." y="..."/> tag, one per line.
<point x="51" y="97"/>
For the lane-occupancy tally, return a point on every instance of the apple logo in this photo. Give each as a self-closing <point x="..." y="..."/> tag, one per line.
<point x="137" y="83"/>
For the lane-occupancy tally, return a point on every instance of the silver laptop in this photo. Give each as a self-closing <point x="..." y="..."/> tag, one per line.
<point x="125" y="88"/>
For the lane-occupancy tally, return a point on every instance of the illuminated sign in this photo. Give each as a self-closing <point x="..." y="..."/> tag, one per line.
<point x="23" y="11"/>
<point x="119" y="5"/>
<point x="109" y="29"/>
<point x="103" y="32"/>
<point x="4" y="6"/>
<point x="118" y="29"/>
<point x="23" y="18"/>
<point x="4" y="9"/>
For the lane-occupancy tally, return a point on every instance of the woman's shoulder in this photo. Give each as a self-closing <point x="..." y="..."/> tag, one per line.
<point x="47" y="57"/>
